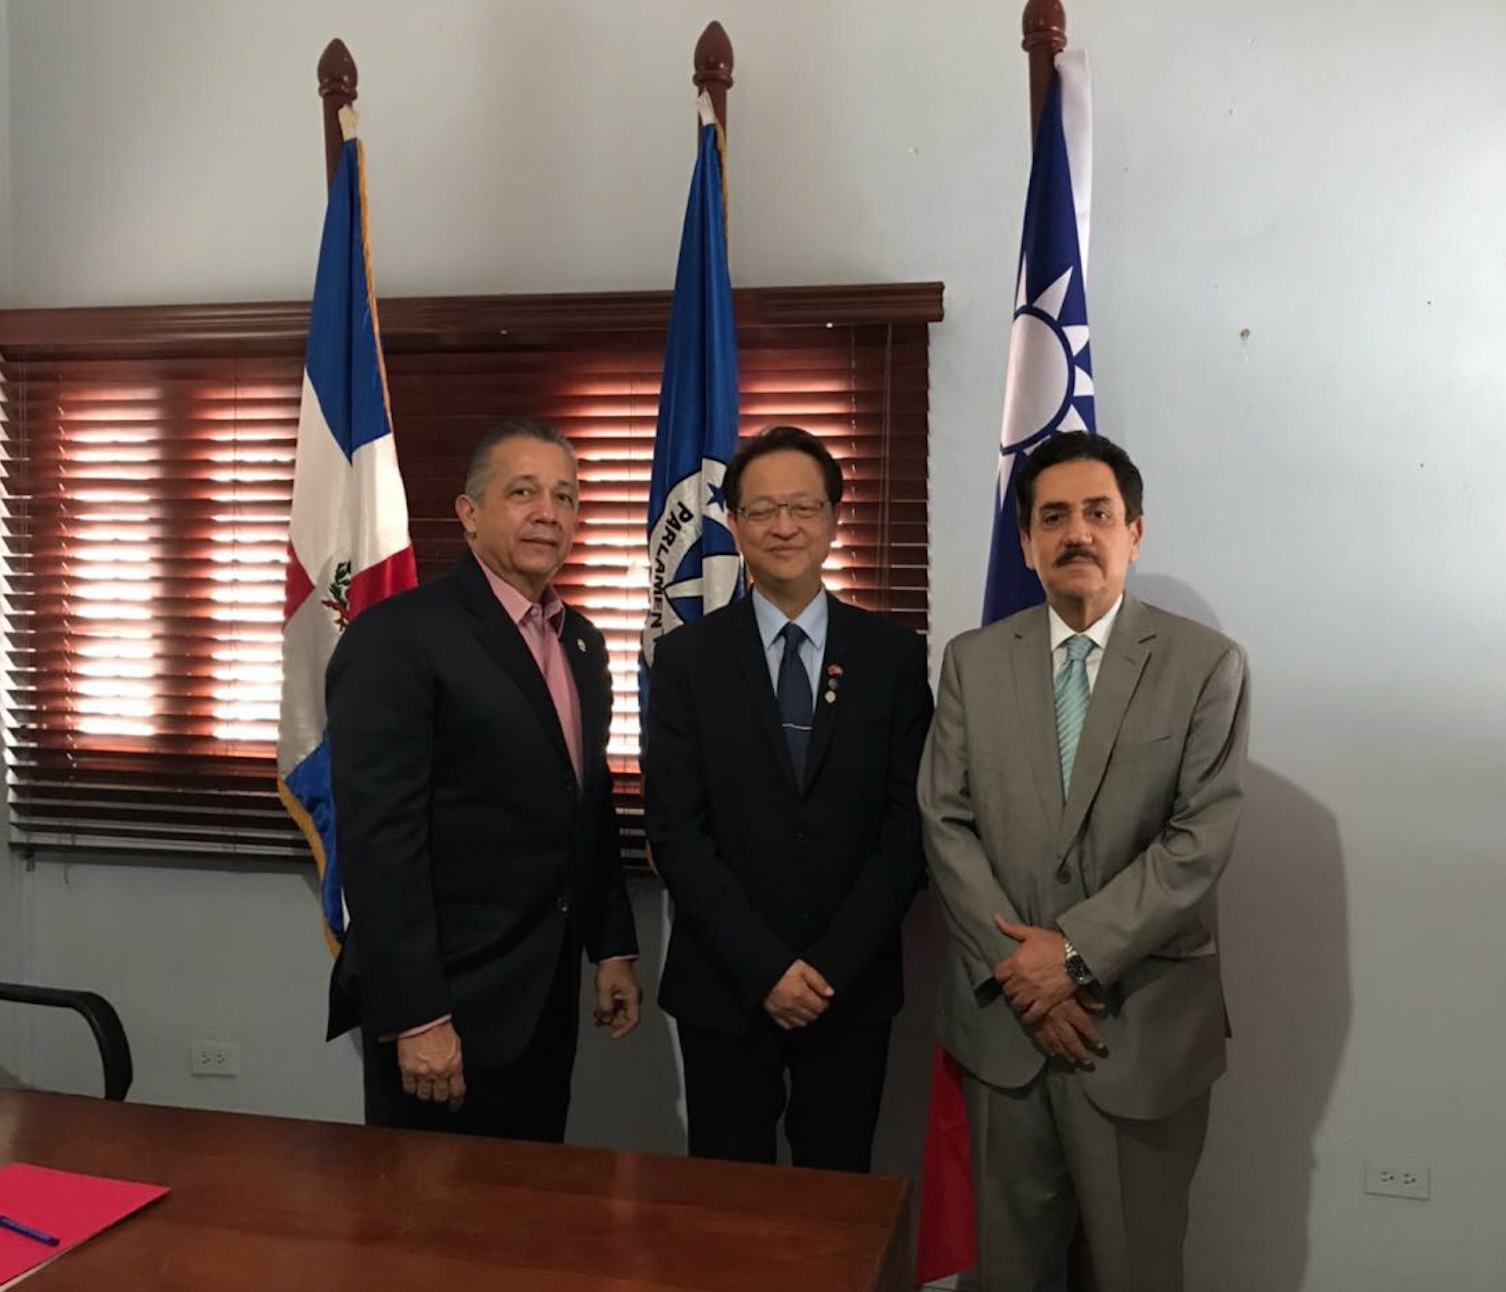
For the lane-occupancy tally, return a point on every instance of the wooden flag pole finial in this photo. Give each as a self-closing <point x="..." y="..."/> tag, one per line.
<point x="1044" y="26"/>
<point x="337" y="88"/>
<point x="713" y="67"/>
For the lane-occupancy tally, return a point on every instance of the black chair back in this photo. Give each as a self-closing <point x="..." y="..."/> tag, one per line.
<point x="104" y="1022"/>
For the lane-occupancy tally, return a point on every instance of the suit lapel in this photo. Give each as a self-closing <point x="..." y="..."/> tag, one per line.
<point x="1030" y="664"/>
<point x="837" y="655"/>
<point x="1124" y="657"/>
<point x="505" y="644"/>
<point x="748" y="647"/>
<point x="586" y="669"/>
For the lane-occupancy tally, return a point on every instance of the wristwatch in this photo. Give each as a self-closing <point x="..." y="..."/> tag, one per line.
<point x="1077" y="967"/>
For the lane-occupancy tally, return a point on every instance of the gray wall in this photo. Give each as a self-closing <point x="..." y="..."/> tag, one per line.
<point x="1296" y="291"/>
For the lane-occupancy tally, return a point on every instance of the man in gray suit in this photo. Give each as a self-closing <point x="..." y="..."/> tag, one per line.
<point x="1080" y="791"/>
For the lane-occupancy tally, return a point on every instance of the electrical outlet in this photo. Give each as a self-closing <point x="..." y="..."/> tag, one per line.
<point x="214" y="1059"/>
<point x="1402" y="1178"/>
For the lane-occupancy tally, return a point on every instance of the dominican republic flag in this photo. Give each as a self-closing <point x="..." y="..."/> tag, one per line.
<point x="348" y="542"/>
<point x="1048" y="387"/>
<point x="693" y="562"/>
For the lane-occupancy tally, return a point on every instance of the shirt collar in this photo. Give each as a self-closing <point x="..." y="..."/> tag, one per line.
<point x="1098" y="632"/>
<point x="771" y="620"/>
<point x="517" y="605"/>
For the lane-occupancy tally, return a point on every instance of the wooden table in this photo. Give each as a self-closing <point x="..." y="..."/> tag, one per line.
<point x="267" y="1203"/>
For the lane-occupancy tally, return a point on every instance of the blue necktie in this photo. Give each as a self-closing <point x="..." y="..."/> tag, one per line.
<point x="1071" y="696"/>
<point x="795" y="702"/>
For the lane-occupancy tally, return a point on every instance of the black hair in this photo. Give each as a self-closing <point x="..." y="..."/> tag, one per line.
<point x="774" y="440"/>
<point x="1077" y="446"/>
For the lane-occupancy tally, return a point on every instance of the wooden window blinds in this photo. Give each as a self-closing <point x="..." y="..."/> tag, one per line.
<point x="147" y="475"/>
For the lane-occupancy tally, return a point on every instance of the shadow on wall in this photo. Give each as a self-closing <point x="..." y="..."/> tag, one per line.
<point x="907" y="1087"/>
<point x="625" y="1094"/>
<point x="1285" y="935"/>
<point x="1284" y="931"/>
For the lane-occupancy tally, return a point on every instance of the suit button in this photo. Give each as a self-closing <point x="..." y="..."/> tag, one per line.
<point x="802" y="838"/>
<point x="562" y="904"/>
<point x="1063" y="876"/>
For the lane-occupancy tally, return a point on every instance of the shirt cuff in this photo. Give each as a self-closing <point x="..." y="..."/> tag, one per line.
<point x="415" y="1031"/>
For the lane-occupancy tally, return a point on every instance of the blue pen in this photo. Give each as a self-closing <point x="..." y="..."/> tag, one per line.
<point x="26" y="1231"/>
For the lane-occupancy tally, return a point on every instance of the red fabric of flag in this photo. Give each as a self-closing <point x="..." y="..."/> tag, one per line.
<point x="948" y="1239"/>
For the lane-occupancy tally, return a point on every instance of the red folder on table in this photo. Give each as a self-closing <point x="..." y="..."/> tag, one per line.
<point x="63" y="1205"/>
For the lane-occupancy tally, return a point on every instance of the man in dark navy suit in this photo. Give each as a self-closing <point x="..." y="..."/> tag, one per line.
<point x="477" y="838"/>
<point x="783" y="738"/>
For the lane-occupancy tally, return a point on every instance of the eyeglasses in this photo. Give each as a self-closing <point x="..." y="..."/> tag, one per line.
<point x="763" y="511"/>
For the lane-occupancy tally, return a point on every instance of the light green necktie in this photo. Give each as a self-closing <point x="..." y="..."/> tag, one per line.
<point x="1071" y="696"/>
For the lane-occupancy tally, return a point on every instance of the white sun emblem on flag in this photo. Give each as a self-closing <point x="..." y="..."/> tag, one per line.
<point x="1049" y="387"/>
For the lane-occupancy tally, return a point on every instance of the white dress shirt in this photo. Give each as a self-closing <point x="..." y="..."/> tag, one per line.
<point x="1098" y="632"/>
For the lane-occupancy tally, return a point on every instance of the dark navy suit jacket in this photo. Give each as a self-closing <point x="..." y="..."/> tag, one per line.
<point x="469" y="852"/>
<point x="764" y="870"/>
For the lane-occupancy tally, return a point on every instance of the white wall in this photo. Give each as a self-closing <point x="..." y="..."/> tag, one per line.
<point x="1328" y="179"/>
<point x="4" y="155"/>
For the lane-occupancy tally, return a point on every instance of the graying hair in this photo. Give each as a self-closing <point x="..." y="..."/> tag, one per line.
<point x="479" y="469"/>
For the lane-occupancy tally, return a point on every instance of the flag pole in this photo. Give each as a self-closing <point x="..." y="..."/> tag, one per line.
<point x="713" y="68"/>
<point x="713" y="78"/>
<point x="1044" y="26"/>
<point x="337" y="87"/>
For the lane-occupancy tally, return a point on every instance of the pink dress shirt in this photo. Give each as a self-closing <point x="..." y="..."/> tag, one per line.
<point x="541" y="623"/>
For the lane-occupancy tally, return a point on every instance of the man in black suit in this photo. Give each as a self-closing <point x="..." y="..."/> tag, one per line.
<point x="783" y="739"/>
<point x="476" y="834"/>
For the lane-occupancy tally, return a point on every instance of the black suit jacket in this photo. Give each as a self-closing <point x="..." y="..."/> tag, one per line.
<point x="468" y="851"/>
<point x="764" y="871"/>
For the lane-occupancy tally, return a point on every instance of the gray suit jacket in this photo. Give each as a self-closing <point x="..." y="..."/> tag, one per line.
<point x="1125" y="867"/>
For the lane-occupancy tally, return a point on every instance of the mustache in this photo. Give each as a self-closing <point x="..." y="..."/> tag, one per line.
<point x="1072" y="553"/>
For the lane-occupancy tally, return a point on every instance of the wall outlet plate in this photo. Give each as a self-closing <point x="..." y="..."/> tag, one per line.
<point x="1399" y="1178"/>
<point x="214" y="1059"/>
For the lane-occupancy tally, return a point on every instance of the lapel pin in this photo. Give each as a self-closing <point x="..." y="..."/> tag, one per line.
<point x="833" y="670"/>
<point x="580" y="645"/>
<point x="831" y="697"/>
